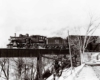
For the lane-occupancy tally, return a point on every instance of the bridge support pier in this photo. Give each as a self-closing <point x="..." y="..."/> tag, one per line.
<point x="39" y="66"/>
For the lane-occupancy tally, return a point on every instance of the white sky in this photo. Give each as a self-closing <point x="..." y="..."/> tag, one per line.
<point x="45" y="17"/>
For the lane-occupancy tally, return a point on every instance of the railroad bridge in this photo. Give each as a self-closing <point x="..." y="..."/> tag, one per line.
<point x="85" y="74"/>
<point x="32" y="53"/>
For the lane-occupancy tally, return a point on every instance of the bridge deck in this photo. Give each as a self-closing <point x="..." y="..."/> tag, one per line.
<point x="30" y="52"/>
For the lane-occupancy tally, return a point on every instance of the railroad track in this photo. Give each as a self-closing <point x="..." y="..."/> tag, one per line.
<point x="97" y="71"/>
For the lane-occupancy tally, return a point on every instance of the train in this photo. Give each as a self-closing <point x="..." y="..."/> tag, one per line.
<point x="42" y="42"/>
<point x="37" y="42"/>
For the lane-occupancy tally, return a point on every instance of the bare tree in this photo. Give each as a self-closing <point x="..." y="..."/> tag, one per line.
<point x="25" y="68"/>
<point x="33" y="69"/>
<point x="4" y="63"/>
<point x="91" y="28"/>
<point x="18" y="67"/>
<point x="80" y="42"/>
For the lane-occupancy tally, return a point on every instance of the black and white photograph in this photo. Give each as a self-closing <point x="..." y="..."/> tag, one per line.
<point x="49" y="39"/>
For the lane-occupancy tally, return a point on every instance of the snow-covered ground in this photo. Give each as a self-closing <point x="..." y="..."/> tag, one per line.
<point x="68" y="74"/>
<point x="97" y="71"/>
<point x="79" y="73"/>
<point x="87" y="73"/>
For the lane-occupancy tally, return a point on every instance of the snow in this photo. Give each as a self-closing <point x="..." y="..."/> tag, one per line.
<point x="87" y="73"/>
<point x="71" y="74"/>
<point x="79" y="73"/>
<point x="68" y="74"/>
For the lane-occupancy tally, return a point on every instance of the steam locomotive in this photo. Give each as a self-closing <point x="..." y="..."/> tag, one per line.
<point x="36" y="42"/>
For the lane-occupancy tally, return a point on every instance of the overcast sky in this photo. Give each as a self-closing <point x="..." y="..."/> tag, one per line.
<point x="46" y="17"/>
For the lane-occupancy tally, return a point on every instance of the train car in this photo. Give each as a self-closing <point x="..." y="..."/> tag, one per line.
<point x="56" y="43"/>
